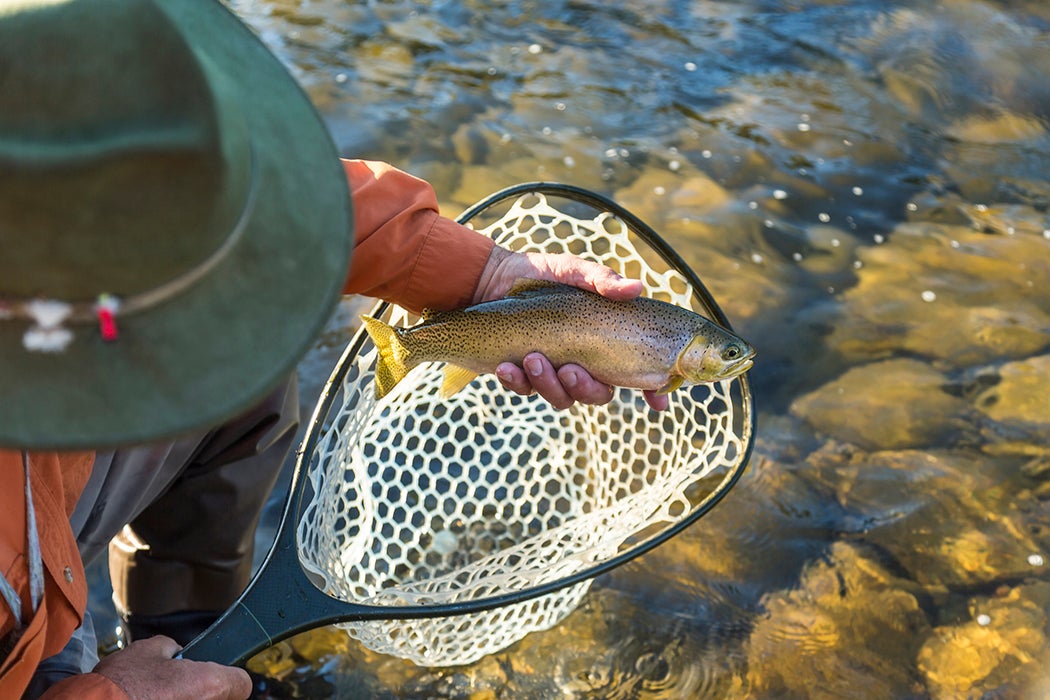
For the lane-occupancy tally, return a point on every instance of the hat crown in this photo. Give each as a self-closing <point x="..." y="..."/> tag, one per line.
<point x="121" y="167"/>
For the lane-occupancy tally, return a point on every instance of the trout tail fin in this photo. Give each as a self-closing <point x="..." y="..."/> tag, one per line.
<point x="391" y="366"/>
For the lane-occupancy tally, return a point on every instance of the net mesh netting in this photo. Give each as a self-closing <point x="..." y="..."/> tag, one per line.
<point x="418" y="500"/>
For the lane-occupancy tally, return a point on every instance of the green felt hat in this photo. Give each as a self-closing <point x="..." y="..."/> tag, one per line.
<point x="175" y="226"/>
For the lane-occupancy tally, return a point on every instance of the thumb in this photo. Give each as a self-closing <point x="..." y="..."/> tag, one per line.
<point x="585" y="274"/>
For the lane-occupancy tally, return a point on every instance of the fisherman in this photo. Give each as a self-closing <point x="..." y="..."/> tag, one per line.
<point x="175" y="226"/>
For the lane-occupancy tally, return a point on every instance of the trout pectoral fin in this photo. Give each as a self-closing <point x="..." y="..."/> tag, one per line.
<point x="672" y="383"/>
<point x="455" y="379"/>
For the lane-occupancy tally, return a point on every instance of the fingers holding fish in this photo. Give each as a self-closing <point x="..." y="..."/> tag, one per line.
<point x="656" y="400"/>
<point x="561" y="388"/>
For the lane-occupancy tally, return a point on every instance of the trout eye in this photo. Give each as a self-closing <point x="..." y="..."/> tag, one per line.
<point x="731" y="353"/>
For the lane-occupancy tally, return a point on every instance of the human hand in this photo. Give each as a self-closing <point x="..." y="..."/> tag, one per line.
<point x="145" y="670"/>
<point x="564" y="386"/>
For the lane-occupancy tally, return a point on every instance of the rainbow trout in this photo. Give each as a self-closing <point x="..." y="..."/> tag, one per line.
<point x="642" y="343"/>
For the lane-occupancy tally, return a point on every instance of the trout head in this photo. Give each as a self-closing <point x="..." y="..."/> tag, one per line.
<point x="714" y="354"/>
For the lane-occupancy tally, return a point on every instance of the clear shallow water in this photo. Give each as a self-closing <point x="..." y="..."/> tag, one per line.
<point x="864" y="187"/>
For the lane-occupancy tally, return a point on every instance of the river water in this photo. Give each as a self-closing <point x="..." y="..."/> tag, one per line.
<point x="864" y="187"/>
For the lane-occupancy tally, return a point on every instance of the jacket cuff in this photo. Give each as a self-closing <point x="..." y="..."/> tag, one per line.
<point x="449" y="267"/>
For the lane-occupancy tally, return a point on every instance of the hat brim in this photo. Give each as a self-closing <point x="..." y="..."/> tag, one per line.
<point x="217" y="348"/>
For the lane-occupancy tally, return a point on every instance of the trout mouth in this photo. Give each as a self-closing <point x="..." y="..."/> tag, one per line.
<point x="735" y="369"/>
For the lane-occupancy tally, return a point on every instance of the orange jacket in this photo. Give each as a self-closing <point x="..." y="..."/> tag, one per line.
<point x="404" y="252"/>
<point x="56" y="480"/>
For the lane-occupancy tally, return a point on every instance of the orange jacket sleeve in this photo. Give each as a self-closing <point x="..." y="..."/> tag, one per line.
<point x="405" y="252"/>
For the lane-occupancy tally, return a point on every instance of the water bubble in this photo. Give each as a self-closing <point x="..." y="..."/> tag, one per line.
<point x="623" y="153"/>
<point x="804" y="117"/>
<point x="1035" y="559"/>
<point x="984" y="620"/>
<point x="569" y="161"/>
<point x="690" y="66"/>
<point x="674" y="165"/>
<point x="803" y="127"/>
<point x="824" y="217"/>
<point x="341" y="77"/>
<point x="912" y="206"/>
<point x="954" y="244"/>
<point x="928" y="296"/>
<point x="779" y="194"/>
<point x="752" y="205"/>
<point x="1010" y="231"/>
<point x="835" y="243"/>
<point x="610" y="152"/>
<point x="505" y="138"/>
<point x="560" y="106"/>
<point x="797" y="257"/>
<point x="757" y="258"/>
<point x="1046" y="233"/>
<point x="547" y="131"/>
<point x="768" y="223"/>
<point x="982" y="207"/>
<point x="491" y="70"/>
<point x="705" y="153"/>
<point x="858" y="191"/>
<point x="659" y="190"/>
<point x="857" y="264"/>
<point x="879" y="239"/>
<point x="535" y="49"/>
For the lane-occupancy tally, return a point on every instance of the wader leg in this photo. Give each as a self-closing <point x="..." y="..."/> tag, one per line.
<point x="188" y="555"/>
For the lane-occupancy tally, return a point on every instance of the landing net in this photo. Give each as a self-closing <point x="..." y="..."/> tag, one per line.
<point x="419" y="501"/>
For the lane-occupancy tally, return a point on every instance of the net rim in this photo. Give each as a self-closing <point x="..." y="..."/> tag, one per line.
<point x="316" y="427"/>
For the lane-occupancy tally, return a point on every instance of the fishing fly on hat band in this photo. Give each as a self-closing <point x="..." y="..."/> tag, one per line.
<point x="48" y="332"/>
<point x="441" y="530"/>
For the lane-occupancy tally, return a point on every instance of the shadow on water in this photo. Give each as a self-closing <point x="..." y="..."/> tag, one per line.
<point x="863" y="186"/>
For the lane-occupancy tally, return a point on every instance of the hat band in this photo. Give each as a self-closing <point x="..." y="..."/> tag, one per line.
<point x="48" y="333"/>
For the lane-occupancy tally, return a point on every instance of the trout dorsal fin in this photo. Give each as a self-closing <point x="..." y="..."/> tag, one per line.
<point x="456" y="378"/>
<point x="526" y="286"/>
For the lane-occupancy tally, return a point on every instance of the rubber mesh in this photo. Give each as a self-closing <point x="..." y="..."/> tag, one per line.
<point x="419" y="501"/>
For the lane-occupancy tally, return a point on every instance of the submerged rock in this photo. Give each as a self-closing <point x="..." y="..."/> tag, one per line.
<point x="892" y="404"/>
<point x="849" y="625"/>
<point x="1002" y="645"/>
<point x="949" y="293"/>
<point x="943" y="517"/>
<point x="1021" y="398"/>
